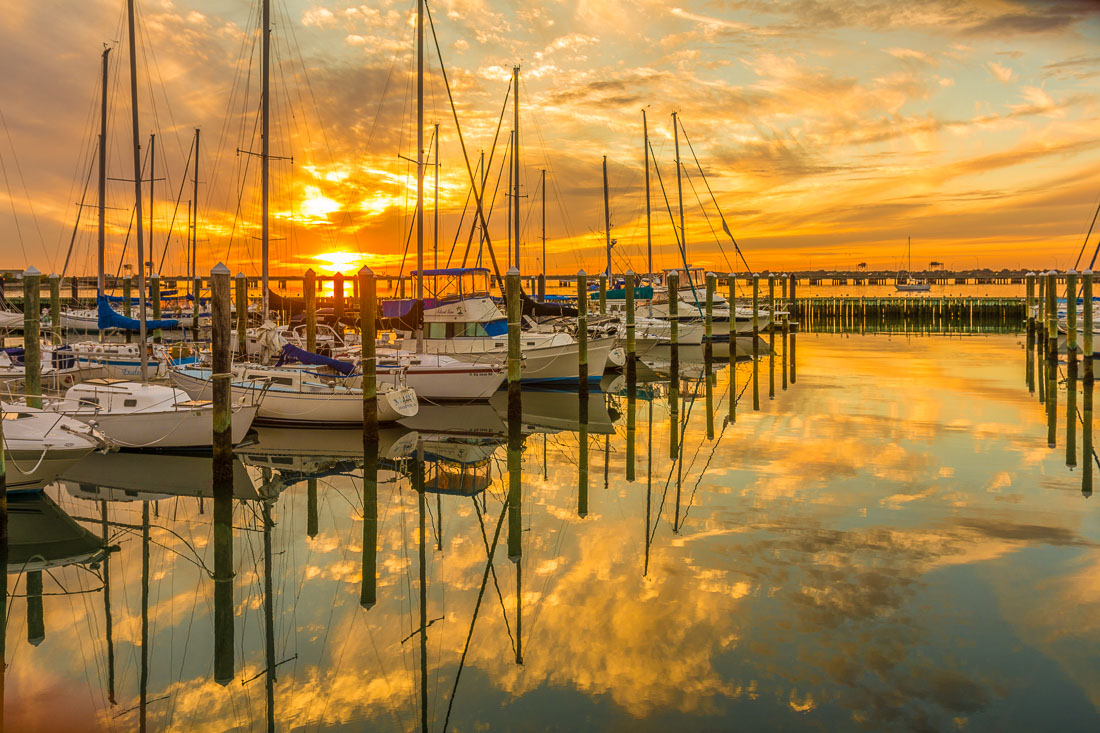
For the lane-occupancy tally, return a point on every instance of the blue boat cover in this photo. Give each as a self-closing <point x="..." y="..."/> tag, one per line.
<point x="293" y="353"/>
<point x="110" y="318"/>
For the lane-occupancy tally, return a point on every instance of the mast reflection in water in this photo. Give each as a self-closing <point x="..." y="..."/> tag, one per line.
<point x="873" y="537"/>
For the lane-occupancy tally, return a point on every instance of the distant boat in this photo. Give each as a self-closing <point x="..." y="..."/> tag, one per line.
<point x="911" y="285"/>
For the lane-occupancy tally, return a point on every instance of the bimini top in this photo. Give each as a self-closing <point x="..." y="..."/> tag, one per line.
<point x="453" y="271"/>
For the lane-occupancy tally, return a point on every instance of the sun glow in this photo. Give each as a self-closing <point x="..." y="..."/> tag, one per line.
<point x="346" y="262"/>
<point x="316" y="205"/>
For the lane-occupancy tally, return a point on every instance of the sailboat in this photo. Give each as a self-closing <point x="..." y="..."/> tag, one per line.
<point x="138" y="414"/>
<point x="39" y="446"/>
<point x="910" y="284"/>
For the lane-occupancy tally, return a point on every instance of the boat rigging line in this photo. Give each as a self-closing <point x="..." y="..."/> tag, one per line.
<point x="725" y="226"/>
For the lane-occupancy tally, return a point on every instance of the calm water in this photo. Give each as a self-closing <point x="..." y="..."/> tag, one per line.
<point x="888" y="543"/>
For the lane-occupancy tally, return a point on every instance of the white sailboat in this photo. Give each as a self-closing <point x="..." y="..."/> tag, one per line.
<point x="149" y="416"/>
<point x="467" y="325"/>
<point x="297" y="397"/>
<point x="910" y="284"/>
<point x="39" y="446"/>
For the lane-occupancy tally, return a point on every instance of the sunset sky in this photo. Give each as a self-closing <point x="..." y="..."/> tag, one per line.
<point x="829" y="131"/>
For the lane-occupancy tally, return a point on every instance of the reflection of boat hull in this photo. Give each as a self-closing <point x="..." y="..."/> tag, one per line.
<point x="146" y="476"/>
<point x="479" y="419"/>
<point x="393" y="442"/>
<point x="41" y="536"/>
<point x="552" y="411"/>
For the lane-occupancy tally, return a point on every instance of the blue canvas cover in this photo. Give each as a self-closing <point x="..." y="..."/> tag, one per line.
<point x="110" y="318"/>
<point x="293" y="353"/>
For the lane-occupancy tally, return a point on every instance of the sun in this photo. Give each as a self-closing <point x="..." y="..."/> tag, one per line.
<point x="333" y="262"/>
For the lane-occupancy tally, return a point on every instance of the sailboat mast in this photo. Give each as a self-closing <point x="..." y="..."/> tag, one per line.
<point x="480" y="225"/>
<point x="435" y="206"/>
<point x="137" y="188"/>
<point x="265" y="147"/>
<point x="195" y="220"/>
<point x="680" y="192"/>
<point x="648" y="211"/>
<point x="515" y="159"/>
<point x="606" y="219"/>
<point x="420" y="166"/>
<point x="152" y="179"/>
<point x="100" y="279"/>
<point x="543" y="186"/>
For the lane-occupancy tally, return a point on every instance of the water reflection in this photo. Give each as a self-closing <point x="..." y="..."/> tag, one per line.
<point x="854" y="549"/>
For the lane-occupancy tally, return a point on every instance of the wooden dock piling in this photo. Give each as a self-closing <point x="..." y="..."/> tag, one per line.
<point x="55" y="309"/>
<point x="1087" y="324"/>
<point x="582" y="331"/>
<point x="1071" y="313"/>
<point x="32" y="344"/>
<point x="221" y="379"/>
<point x="368" y="326"/>
<point x="154" y="297"/>
<point x="241" y="286"/>
<point x="309" y="291"/>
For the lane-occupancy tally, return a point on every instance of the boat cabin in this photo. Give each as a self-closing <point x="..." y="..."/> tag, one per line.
<point x="121" y="395"/>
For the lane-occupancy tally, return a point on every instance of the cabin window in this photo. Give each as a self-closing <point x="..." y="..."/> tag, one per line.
<point x="287" y="381"/>
<point x="129" y="403"/>
<point x="470" y="329"/>
<point x="437" y="330"/>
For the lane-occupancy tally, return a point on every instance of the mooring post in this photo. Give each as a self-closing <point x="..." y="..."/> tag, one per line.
<point x="1086" y="433"/>
<point x="771" y="302"/>
<point x="241" y="287"/>
<point x="196" y="305"/>
<point x="733" y="319"/>
<point x="221" y="376"/>
<point x="154" y="298"/>
<point x="32" y="357"/>
<point x="1029" y="288"/>
<point x="513" y="305"/>
<point x="603" y="293"/>
<point x="631" y="374"/>
<point x="582" y="331"/>
<point x="541" y="286"/>
<point x="309" y="290"/>
<point x="221" y="379"/>
<point x="672" y="287"/>
<point x="55" y="309"/>
<point x="1071" y="313"/>
<point x="1052" y="315"/>
<point x="755" y="307"/>
<point x="708" y="320"/>
<point x="514" y="310"/>
<point x="368" y="325"/>
<point x="1087" y="323"/>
